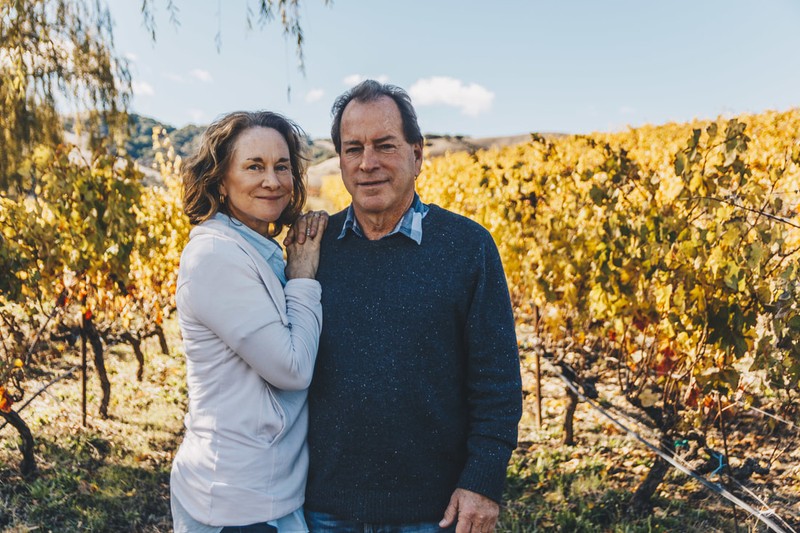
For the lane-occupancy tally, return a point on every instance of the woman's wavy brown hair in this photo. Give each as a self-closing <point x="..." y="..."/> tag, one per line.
<point x="203" y="172"/>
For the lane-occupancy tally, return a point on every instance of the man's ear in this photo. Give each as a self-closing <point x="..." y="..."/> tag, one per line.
<point x="417" y="147"/>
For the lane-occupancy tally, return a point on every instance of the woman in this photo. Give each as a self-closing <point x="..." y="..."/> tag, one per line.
<point x="250" y="330"/>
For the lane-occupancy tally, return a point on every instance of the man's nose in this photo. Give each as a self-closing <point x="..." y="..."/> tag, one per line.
<point x="369" y="159"/>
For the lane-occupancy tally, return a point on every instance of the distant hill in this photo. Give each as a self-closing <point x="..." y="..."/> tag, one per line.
<point x="323" y="162"/>
<point x="140" y="142"/>
<point x="186" y="140"/>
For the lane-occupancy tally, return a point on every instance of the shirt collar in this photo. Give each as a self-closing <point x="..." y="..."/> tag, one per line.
<point x="270" y="250"/>
<point x="410" y="224"/>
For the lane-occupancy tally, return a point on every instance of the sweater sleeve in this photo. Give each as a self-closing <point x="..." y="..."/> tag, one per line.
<point x="493" y="379"/>
<point x="225" y="293"/>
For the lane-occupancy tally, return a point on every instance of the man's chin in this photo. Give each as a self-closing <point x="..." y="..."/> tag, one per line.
<point x="372" y="205"/>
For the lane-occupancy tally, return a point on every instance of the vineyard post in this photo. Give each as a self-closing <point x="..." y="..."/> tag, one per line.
<point x="537" y="387"/>
<point x="537" y="391"/>
<point x="83" y="369"/>
<point x="727" y="456"/>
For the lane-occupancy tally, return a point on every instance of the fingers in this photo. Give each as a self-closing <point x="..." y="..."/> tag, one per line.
<point x="472" y="512"/>
<point x="291" y="236"/>
<point x="450" y="513"/>
<point x="315" y="221"/>
<point x="322" y="221"/>
<point x="301" y="227"/>
<point x="308" y="226"/>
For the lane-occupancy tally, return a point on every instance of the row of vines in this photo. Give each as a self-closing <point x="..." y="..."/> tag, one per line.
<point x="664" y="260"/>
<point x="89" y="254"/>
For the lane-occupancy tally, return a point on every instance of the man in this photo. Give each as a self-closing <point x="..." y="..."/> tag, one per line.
<point x="416" y="395"/>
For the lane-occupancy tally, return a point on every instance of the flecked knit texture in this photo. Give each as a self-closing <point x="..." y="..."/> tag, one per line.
<point x="417" y="386"/>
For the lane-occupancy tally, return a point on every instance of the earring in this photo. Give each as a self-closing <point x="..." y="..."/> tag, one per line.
<point x="221" y="199"/>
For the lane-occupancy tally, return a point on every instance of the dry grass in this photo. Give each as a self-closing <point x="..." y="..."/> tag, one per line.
<point x="113" y="475"/>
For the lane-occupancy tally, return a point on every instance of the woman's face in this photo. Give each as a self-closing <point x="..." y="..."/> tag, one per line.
<point x="258" y="183"/>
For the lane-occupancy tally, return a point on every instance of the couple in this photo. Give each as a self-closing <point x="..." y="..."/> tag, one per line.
<point x="411" y="415"/>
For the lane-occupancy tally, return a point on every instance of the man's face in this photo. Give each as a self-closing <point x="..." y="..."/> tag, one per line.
<point x="378" y="165"/>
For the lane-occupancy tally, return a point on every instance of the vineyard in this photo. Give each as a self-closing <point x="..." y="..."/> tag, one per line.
<point x="660" y="265"/>
<point x="655" y="276"/>
<point x="90" y="257"/>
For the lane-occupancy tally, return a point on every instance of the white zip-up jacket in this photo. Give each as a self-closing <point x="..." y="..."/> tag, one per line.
<point x="250" y="351"/>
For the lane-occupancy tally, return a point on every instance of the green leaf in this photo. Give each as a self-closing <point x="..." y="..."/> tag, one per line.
<point x="732" y="277"/>
<point x="597" y="195"/>
<point x="729" y="377"/>
<point x="680" y="164"/>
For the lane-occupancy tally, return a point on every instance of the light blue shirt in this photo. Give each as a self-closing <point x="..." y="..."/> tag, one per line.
<point x="410" y="224"/>
<point x="268" y="248"/>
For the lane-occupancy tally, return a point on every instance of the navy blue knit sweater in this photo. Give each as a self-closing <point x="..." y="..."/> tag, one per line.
<point x="417" y="386"/>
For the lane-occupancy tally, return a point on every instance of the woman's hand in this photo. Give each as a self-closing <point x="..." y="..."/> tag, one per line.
<point x="302" y="245"/>
<point x="307" y="225"/>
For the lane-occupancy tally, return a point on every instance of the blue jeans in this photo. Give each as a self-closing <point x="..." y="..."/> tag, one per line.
<point x="252" y="528"/>
<point x="327" y="523"/>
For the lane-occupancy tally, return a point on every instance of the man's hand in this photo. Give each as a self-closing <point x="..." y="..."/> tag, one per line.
<point x="471" y="512"/>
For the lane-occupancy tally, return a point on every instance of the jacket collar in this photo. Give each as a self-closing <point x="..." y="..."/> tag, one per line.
<point x="274" y="288"/>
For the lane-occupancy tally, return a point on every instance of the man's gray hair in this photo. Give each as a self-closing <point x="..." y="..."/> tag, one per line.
<point x="369" y="91"/>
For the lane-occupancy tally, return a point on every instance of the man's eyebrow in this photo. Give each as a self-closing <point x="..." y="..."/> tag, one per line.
<point x="373" y="141"/>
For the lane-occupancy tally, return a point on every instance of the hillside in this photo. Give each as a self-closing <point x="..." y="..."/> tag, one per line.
<point x="322" y="155"/>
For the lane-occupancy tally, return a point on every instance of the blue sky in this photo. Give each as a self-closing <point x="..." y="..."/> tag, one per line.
<point x="473" y="68"/>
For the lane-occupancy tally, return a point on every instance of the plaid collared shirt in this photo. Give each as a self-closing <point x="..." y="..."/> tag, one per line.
<point x="409" y="225"/>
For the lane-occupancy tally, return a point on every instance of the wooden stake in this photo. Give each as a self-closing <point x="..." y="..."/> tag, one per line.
<point x="83" y="369"/>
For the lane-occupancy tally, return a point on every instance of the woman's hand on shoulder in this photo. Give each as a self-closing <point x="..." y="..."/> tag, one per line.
<point x="307" y="225"/>
<point x="302" y="245"/>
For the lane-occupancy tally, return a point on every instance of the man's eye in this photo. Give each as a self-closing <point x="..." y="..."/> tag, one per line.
<point x="387" y="147"/>
<point x="353" y="150"/>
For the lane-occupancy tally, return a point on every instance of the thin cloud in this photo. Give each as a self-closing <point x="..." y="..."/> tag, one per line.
<point x="171" y="76"/>
<point x="355" y="79"/>
<point x="314" y="95"/>
<point x="627" y="110"/>
<point x="202" y="75"/>
<point x="142" y="88"/>
<point x="130" y="56"/>
<point x="198" y="116"/>
<point x="472" y="99"/>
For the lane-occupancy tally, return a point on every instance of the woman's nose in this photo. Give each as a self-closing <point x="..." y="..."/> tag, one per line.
<point x="270" y="180"/>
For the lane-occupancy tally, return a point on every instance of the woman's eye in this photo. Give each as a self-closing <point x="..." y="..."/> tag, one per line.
<point x="283" y="168"/>
<point x="254" y="167"/>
